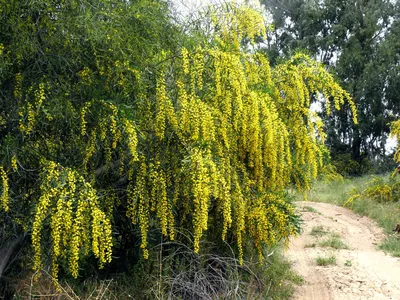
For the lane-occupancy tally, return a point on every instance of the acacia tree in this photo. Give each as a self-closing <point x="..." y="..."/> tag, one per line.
<point x="61" y="60"/>
<point x="108" y="130"/>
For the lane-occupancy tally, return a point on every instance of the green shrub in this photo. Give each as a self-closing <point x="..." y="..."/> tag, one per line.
<point x="345" y="165"/>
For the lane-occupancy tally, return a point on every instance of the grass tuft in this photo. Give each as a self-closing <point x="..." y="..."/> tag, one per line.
<point x="392" y="245"/>
<point x="310" y="209"/>
<point x="348" y="263"/>
<point x="325" y="261"/>
<point x="333" y="242"/>
<point x="318" y="231"/>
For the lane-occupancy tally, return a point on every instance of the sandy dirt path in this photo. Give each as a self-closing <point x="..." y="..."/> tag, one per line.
<point x="361" y="271"/>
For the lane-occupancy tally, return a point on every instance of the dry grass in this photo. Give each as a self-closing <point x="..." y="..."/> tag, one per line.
<point x="174" y="271"/>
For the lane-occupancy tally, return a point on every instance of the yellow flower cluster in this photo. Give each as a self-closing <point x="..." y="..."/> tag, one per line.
<point x="132" y="142"/>
<point x="14" y="163"/>
<point x="238" y="22"/>
<point x="185" y="61"/>
<point x="150" y="195"/>
<point x="101" y="235"/>
<point x="268" y="220"/>
<point x="201" y="189"/>
<point x="76" y="220"/>
<point x="107" y="130"/>
<point x="80" y="236"/>
<point x="4" y="194"/>
<point x="296" y="80"/>
<point x="138" y="205"/>
<point x="18" y="86"/>
<point x="33" y="108"/>
<point x="85" y="76"/>
<point x="164" y="109"/>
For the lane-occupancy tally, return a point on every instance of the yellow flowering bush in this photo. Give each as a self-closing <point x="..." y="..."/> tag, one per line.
<point x="4" y="193"/>
<point x="243" y="135"/>
<point x="203" y="138"/>
<point x="246" y="133"/>
<point x="379" y="188"/>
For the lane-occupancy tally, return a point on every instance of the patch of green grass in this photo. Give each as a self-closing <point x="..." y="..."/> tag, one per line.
<point x="391" y="245"/>
<point x="325" y="261"/>
<point x="334" y="242"/>
<point x="276" y="276"/>
<point x="310" y="209"/>
<point x="318" y="231"/>
<point x="336" y="192"/>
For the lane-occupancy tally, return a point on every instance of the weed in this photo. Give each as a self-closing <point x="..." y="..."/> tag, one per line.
<point x="348" y="263"/>
<point x="334" y="242"/>
<point x="318" y="231"/>
<point x="310" y="245"/>
<point x="325" y="261"/>
<point x="310" y="209"/>
<point x="392" y="245"/>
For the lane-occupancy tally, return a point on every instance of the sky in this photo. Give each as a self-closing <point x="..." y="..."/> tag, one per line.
<point x="186" y="7"/>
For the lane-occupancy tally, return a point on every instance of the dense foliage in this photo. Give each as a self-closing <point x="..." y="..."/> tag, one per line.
<point x="109" y="131"/>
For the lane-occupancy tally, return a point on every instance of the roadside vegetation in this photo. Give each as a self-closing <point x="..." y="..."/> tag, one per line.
<point x="323" y="237"/>
<point x="310" y="209"/>
<point x="325" y="260"/>
<point x="374" y="196"/>
<point x="319" y="231"/>
<point x="333" y="241"/>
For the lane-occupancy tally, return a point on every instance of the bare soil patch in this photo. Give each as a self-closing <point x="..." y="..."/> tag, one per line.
<point x="360" y="270"/>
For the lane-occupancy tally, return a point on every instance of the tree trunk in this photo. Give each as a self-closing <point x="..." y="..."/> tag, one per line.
<point x="356" y="145"/>
<point x="7" y="250"/>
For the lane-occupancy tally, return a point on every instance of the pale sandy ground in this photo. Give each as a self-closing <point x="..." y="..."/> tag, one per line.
<point x="372" y="274"/>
